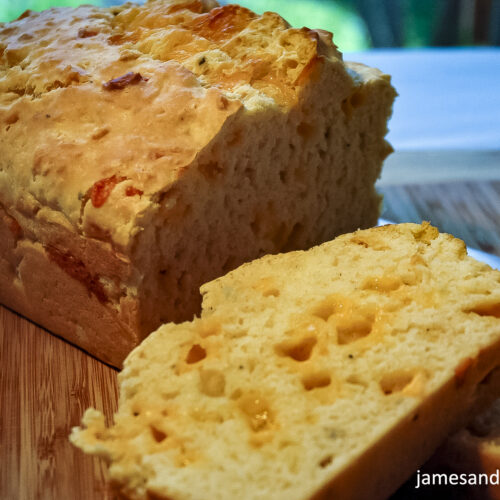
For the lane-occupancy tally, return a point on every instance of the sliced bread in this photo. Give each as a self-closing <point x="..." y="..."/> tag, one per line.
<point x="331" y="373"/>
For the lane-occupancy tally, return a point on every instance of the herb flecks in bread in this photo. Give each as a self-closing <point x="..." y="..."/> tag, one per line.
<point x="329" y="373"/>
<point x="160" y="146"/>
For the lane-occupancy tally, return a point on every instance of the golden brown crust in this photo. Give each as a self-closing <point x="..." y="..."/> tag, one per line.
<point x="62" y="146"/>
<point x="127" y="59"/>
<point x="149" y="149"/>
<point x="57" y="291"/>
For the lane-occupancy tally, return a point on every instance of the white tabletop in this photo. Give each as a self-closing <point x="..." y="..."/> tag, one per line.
<point x="448" y="98"/>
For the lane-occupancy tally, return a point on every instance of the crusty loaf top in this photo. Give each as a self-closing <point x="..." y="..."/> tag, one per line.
<point x="102" y="109"/>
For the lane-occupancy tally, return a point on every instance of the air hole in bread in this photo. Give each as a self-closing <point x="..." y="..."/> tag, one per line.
<point x="297" y="350"/>
<point x="167" y="395"/>
<point x="156" y="154"/>
<point x="359" y="241"/>
<point x="413" y="277"/>
<point x="235" y="138"/>
<point x="396" y="381"/>
<point x="357" y="99"/>
<point x="158" y="434"/>
<point x="326" y="461"/>
<point x="196" y="354"/>
<point x="486" y="309"/>
<point x="56" y="84"/>
<point x="346" y="107"/>
<point x="324" y="309"/>
<point x="370" y="241"/>
<point x="257" y="410"/>
<point x="316" y="380"/>
<point x="11" y="119"/>
<point x="236" y="394"/>
<point x="267" y="287"/>
<point x="131" y="391"/>
<point x="250" y="174"/>
<point x="356" y="380"/>
<point x="100" y="133"/>
<point x="212" y="383"/>
<point x="210" y="169"/>
<point x="306" y="130"/>
<point x="353" y="329"/>
<point x="382" y="283"/>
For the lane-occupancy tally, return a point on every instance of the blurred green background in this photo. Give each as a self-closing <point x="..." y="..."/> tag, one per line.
<point x="358" y="24"/>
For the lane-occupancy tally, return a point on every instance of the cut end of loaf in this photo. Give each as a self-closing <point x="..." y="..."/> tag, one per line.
<point x="148" y="149"/>
<point x="308" y="371"/>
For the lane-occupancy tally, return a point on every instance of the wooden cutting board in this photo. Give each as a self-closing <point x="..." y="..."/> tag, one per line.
<point x="46" y="384"/>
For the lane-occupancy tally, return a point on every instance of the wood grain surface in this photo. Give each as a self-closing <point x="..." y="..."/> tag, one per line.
<point x="46" y="384"/>
<point x="468" y="210"/>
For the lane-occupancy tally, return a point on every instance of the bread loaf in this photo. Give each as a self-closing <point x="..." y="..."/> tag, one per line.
<point x="331" y="373"/>
<point x="146" y="150"/>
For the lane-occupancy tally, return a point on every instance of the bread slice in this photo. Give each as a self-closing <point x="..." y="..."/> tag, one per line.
<point x="468" y="458"/>
<point x="146" y="150"/>
<point x="475" y="449"/>
<point x="331" y="373"/>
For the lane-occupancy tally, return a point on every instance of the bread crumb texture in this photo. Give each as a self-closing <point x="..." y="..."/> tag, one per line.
<point x="149" y="149"/>
<point x="102" y="108"/>
<point x="299" y="364"/>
